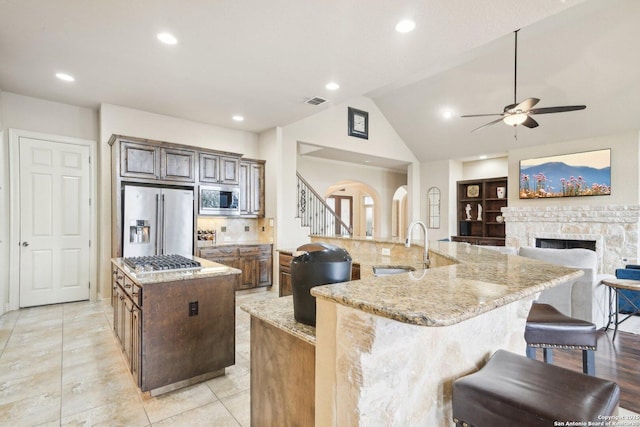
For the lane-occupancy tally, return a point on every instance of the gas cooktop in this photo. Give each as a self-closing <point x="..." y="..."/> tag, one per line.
<point x="161" y="263"/>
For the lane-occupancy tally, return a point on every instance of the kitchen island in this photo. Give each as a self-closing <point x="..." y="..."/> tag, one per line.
<point x="387" y="349"/>
<point x="176" y="328"/>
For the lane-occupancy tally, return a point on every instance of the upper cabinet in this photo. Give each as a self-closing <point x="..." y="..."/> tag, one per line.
<point x="177" y="164"/>
<point x="139" y="160"/>
<point x="252" y="188"/>
<point x="219" y="169"/>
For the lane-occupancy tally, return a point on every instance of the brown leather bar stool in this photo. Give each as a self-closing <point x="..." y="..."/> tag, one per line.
<point x="512" y="390"/>
<point x="547" y="328"/>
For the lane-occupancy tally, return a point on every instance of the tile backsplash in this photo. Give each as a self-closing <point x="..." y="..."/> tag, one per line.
<point x="238" y="230"/>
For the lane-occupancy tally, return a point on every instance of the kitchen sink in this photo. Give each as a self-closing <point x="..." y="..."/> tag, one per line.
<point x="388" y="270"/>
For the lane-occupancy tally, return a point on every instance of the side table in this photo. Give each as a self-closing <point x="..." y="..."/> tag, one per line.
<point x="614" y="286"/>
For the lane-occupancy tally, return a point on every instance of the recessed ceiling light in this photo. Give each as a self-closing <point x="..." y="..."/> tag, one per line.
<point x="66" y="77"/>
<point x="483" y="157"/>
<point x="332" y="86"/>
<point x="405" y="26"/>
<point x="167" y="38"/>
<point x="447" y="114"/>
<point x="238" y="118"/>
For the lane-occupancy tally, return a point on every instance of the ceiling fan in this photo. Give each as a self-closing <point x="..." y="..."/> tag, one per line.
<point x="520" y="113"/>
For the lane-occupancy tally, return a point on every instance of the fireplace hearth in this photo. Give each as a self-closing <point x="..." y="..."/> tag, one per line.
<point x="614" y="230"/>
<point x="566" y="244"/>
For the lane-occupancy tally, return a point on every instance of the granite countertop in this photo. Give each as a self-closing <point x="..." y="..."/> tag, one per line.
<point x="279" y="313"/>
<point x="209" y="269"/>
<point x="480" y="281"/>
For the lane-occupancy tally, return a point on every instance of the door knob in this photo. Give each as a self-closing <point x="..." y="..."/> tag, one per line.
<point x="25" y="244"/>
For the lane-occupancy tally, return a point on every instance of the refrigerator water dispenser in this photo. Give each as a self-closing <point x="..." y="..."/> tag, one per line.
<point x="139" y="231"/>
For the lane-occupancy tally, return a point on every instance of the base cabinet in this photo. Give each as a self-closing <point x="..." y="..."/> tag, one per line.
<point x="282" y="377"/>
<point x="255" y="261"/>
<point x="165" y="345"/>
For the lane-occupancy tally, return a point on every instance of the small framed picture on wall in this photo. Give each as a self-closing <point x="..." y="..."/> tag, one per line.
<point x="358" y="123"/>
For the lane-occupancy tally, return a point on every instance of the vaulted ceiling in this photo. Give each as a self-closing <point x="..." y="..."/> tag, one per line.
<point x="262" y="59"/>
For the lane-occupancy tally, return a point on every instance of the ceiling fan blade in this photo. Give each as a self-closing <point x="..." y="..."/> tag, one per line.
<point x="530" y="123"/>
<point x="487" y="124"/>
<point x="548" y="110"/>
<point x="527" y="104"/>
<point x="482" y="115"/>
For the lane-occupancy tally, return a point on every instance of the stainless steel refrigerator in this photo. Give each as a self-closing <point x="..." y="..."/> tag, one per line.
<point x="157" y="221"/>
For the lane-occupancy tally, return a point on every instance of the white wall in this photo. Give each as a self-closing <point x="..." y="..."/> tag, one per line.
<point x="489" y="168"/>
<point x="625" y="174"/>
<point x="37" y="115"/>
<point x="130" y="122"/>
<point x="328" y="128"/>
<point x="322" y="173"/>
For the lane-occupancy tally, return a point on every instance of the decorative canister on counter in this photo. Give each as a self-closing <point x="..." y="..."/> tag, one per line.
<point x="501" y="192"/>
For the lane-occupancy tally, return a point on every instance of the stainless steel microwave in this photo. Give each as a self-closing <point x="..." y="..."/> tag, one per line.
<point x="221" y="200"/>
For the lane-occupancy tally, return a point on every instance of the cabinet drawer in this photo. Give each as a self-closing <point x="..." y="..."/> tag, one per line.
<point x="285" y="260"/>
<point x="247" y="251"/>
<point x="221" y="252"/>
<point x="265" y="250"/>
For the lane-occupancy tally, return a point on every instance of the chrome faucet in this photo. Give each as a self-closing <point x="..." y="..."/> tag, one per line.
<point x="425" y="255"/>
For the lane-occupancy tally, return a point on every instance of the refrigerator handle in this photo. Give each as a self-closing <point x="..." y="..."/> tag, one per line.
<point x="157" y="243"/>
<point x="164" y="243"/>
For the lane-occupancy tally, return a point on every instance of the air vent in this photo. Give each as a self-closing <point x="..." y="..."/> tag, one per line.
<point x="316" y="100"/>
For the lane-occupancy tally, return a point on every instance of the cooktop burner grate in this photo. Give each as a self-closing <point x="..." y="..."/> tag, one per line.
<point x="161" y="263"/>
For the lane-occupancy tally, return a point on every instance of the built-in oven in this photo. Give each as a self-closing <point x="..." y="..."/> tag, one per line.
<point x="222" y="200"/>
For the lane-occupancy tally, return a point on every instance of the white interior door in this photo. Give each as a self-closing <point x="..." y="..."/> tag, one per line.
<point x="55" y="229"/>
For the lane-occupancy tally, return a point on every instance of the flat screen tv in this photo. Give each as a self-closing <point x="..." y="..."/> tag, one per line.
<point x="567" y="175"/>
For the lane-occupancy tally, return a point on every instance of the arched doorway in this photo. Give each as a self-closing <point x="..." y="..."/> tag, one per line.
<point x="357" y="204"/>
<point x="399" y="213"/>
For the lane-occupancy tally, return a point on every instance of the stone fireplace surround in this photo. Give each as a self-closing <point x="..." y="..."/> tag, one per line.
<point x="615" y="229"/>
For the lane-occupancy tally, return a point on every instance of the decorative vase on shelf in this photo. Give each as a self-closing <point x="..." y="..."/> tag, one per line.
<point x="501" y="192"/>
<point x="479" y="212"/>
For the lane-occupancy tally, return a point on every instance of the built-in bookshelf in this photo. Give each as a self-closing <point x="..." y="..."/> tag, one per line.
<point x="479" y="204"/>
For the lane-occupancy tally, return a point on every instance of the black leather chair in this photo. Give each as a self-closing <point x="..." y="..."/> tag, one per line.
<point x="512" y="390"/>
<point x="547" y="328"/>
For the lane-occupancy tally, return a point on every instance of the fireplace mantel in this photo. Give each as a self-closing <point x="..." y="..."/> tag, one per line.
<point x="613" y="227"/>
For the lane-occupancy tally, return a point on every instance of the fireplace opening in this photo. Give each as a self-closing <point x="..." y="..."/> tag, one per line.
<point x="566" y="244"/>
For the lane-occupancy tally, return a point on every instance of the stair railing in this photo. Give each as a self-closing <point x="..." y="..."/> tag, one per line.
<point x="315" y="213"/>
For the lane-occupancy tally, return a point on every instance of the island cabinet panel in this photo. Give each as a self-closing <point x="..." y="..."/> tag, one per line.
<point x="178" y="164"/>
<point x="165" y="342"/>
<point x="282" y="377"/>
<point x="284" y="262"/>
<point x="178" y="345"/>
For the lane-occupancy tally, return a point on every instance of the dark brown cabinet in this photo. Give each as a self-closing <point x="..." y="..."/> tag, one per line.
<point x="479" y="211"/>
<point x="284" y="262"/>
<point x="163" y="344"/>
<point x="218" y="169"/>
<point x="255" y="261"/>
<point x="251" y="181"/>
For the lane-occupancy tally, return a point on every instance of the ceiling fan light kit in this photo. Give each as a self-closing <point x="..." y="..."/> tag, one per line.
<point x="520" y="113"/>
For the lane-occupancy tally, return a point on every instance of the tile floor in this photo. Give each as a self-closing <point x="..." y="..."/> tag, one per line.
<point x="61" y="365"/>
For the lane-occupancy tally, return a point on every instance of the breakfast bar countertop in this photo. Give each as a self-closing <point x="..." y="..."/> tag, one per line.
<point x="279" y="313"/>
<point x="478" y="280"/>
